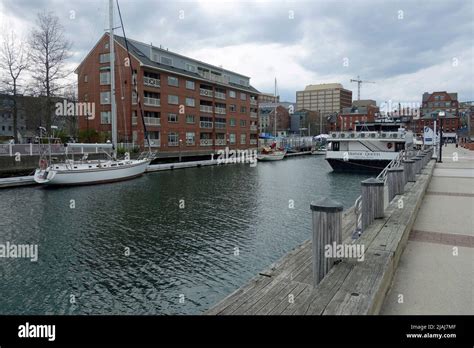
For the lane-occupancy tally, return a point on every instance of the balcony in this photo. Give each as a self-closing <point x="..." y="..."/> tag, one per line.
<point x="220" y="110"/>
<point x="205" y="124"/>
<point x="220" y="142"/>
<point x="253" y="127"/>
<point x="205" y="108"/>
<point x="220" y="95"/>
<point x="152" y="121"/>
<point x="207" y="75"/>
<point x="205" y="92"/>
<point x="253" y="102"/>
<point x="253" y="114"/>
<point x="253" y="141"/>
<point x="153" y="143"/>
<point x="220" y="125"/>
<point x="205" y="142"/>
<point x="151" y="82"/>
<point x="173" y="143"/>
<point x="151" y="101"/>
<point x="134" y="121"/>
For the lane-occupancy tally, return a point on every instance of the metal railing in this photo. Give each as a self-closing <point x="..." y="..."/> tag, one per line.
<point x="220" y="95"/>
<point x="220" y="142"/>
<point x="151" y="101"/>
<point x="151" y="82"/>
<point x="220" y="110"/>
<point x="152" y="121"/>
<point x="205" y="142"/>
<point x="205" y="92"/>
<point x="12" y="150"/>
<point x="205" y="108"/>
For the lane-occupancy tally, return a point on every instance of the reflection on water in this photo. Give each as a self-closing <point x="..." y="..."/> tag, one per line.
<point x="173" y="242"/>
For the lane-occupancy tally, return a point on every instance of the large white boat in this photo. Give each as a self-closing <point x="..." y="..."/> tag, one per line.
<point x="366" y="151"/>
<point x="71" y="172"/>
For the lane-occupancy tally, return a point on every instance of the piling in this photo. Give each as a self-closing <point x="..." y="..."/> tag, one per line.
<point x="395" y="182"/>
<point x="372" y="201"/>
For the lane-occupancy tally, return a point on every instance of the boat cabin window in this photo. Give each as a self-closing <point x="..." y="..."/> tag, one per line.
<point x="399" y="147"/>
<point x="335" y="146"/>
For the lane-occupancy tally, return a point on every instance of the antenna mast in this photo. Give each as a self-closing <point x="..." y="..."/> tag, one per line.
<point x="113" y="120"/>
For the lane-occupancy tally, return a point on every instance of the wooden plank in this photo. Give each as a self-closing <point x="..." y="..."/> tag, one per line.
<point x="271" y="300"/>
<point x="298" y="292"/>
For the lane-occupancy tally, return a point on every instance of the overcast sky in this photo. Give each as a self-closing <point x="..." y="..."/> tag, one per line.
<point x="406" y="47"/>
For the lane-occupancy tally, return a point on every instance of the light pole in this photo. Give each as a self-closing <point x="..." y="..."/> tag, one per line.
<point x="180" y="142"/>
<point x="441" y="116"/>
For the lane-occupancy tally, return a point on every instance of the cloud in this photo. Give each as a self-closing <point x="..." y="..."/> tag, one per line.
<point x="406" y="47"/>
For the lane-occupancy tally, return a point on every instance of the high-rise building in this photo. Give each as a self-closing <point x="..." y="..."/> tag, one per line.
<point x="325" y="98"/>
<point x="190" y="108"/>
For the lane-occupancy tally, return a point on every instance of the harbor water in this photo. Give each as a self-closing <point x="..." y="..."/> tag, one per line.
<point x="172" y="242"/>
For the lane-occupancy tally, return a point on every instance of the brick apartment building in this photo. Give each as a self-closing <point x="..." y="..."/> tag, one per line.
<point x="362" y="111"/>
<point x="432" y="104"/>
<point x="191" y="108"/>
<point x="266" y="116"/>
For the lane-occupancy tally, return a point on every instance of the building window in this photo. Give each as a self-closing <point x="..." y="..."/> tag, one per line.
<point x="243" y="96"/>
<point x="243" y="139"/>
<point x="106" y="46"/>
<point x="166" y="60"/>
<point x="86" y="97"/>
<point x="190" y="84"/>
<point x="173" y="99"/>
<point x="105" y="117"/>
<point x="104" y="58"/>
<point x="243" y="123"/>
<point x="105" y="98"/>
<point x="105" y="77"/>
<point x="232" y="122"/>
<point x="232" y="94"/>
<point x="232" y="108"/>
<point x="190" y="67"/>
<point x="172" y="118"/>
<point x="189" y="118"/>
<point x="243" y="109"/>
<point x="232" y="138"/>
<point x="173" y="81"/>
<point x="190" y="102"/>
<point x="173" y="139"/>
<point x="86" y="78"/>
<point x="190" y="138"/>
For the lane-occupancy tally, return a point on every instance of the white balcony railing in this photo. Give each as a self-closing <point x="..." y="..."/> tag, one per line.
<point x="220" y="142"/>
<point x="213" y="77"/>
<point x="151" y="101"/>
<point x="253" y="114"/>
<point x="220" y="95"/>
<point x="220" y="125"/>
<point x="205" y="92"/>
<point x="205" y="124"/>
<point x="253" y="102"/>
<point x="205" y="108"/>
<point x="152" y="121"/>
<point x="220" y="110"/>
<point x="205" y="142"/>
<point x="253" y="127"/>
<point x="153" y="143"/>
<point x="151" y="82"/>
<point x="253" y="141"/>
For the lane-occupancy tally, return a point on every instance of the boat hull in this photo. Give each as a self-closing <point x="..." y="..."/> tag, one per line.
<point x="357" y="165"/>
<point x="271" y="157"/>
<point x="90" y="176"/>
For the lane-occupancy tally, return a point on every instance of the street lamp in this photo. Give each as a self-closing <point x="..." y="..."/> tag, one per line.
<point x="441" y="116"/>
<point x="180" y="142"/>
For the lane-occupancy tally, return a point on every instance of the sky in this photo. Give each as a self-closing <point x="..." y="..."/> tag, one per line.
<point x="406" y="47"/>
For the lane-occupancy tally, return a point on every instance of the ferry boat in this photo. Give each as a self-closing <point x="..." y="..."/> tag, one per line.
<point x="366" y="151"/>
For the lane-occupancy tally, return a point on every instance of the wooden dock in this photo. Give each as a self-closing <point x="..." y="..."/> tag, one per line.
<point x="350" y="287"/>
<point x="17" y="181"/>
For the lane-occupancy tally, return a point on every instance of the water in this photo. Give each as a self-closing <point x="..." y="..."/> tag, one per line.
<point x="181" y="261"/>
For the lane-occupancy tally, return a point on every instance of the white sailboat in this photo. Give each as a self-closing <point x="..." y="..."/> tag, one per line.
<point x="84" y="172"/>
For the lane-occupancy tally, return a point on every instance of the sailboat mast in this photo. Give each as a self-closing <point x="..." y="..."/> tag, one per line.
<point x="275" y="123"/>
<point x="113" y="120"/>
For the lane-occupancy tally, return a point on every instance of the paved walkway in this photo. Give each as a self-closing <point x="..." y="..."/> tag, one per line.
<point x="436" y="271"/>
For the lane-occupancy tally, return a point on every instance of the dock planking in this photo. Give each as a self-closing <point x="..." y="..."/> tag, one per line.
<point x="350" y="287"/>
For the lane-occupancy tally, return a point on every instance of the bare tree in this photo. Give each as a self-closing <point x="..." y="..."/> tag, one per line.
<point x="14" y="59"/>
<point x="49" y="52"/>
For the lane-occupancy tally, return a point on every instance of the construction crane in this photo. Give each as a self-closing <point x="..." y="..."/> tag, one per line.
<point x="359" y="82"/>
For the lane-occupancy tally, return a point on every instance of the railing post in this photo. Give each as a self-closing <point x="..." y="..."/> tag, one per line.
<point x="327" y="229"/>
<point x="395" y="180"/>
<point x="372" y="201"/>
<point x="10" y="149"/>
<point x="31" y="149"/>
<point x="409" y="170"/>
<point x="418" y="165"/>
